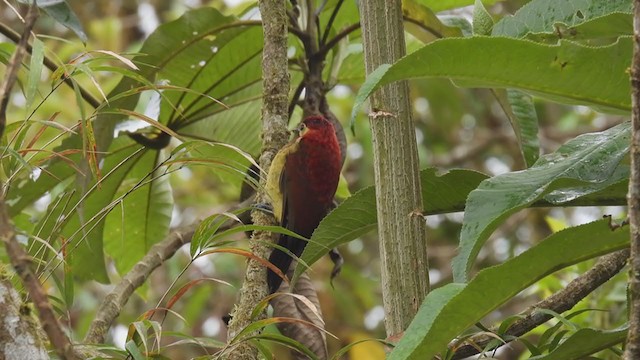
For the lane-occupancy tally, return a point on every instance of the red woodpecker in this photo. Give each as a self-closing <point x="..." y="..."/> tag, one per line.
<point x="302" y="182"/>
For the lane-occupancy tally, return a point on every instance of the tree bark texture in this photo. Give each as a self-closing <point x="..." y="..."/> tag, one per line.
<point x="275" y="115"/>
<point x="21" y="336"/>
<point x="401" y="226"/>
<point x="632" y="350"/>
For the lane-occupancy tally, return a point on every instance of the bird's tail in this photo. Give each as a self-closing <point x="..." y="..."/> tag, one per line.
<point x="283" y="260"/>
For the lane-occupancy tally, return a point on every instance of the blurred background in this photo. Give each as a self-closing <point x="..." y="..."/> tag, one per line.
<point x="456" y="128"/>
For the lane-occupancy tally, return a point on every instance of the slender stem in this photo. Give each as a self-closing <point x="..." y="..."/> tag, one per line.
<point x="322" y="52"/>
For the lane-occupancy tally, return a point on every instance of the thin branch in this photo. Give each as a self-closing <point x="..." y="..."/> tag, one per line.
<point x="322" y="52"/>
<point x="14" y="65"/>
<point x="604" y="269"/>
<point x="114" y="302"/>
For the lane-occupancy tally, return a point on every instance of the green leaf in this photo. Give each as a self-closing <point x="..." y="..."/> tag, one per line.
<point x="567" y="72"/>
<point x="357" y="214"/>
<point x="441" y="318"/>
<point x="167" y="56"/>
<point x="62" y="13"/>
<point x="585" y="342"/>
<point x="540" y="16"/>
<point x="482" y="20"/>
<point x="441" y="5"/>
<point x="590" y="158"/>
<point x="522" y="115"/>
<point x="142" y="217"/>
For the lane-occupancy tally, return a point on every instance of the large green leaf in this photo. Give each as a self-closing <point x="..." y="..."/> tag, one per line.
<point x="585" y="342"/>
<point x="590" y="159"/>
<point x="357" y="214"/>
<point x="181" y="53"/>
<point x="142" y="217"/>
<point x="567" y="72"/>
<point x="448" y="311"/>
<point x="541" y="16"/>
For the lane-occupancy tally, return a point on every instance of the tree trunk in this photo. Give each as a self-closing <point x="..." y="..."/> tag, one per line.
<point x="401" y="226"/>
<point x="632" y="350"/>
<point x="20" y="334"/>
<point x="275" y="116"/>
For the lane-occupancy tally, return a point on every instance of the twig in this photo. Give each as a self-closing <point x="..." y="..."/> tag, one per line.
<point x="14" y="64"/>
<point x="632" y="350"/>
<point x="118" y="297"/>
<point x="322" y="52"/>
<point x="604" y="269"/>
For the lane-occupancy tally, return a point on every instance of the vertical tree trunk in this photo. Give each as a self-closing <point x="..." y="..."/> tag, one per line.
<point x="401" y="227"/>
<point x="274" y="135"/>
<point x="632" y="350"/>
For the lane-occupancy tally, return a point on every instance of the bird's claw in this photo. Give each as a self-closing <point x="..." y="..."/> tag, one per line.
<point x="264" y="207"/>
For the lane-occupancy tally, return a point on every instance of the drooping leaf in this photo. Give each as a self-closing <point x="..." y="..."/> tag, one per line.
<point x="448" y="311"/>
<point x="588" y="159"/>
<point x="567" y="72"/>
<point x="62" y="13"/>
<point x="357" y="214"/>
<point x="522" y="115"/>
<point x="541" y="16"/>
<point x="585" y="342"/>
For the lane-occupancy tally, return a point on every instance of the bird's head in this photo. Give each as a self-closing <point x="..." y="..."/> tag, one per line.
<point x="315" y="125"/>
